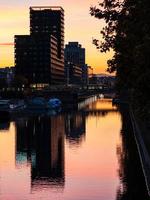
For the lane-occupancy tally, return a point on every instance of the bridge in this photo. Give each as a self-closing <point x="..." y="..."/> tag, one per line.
<point x="67" y="94"/>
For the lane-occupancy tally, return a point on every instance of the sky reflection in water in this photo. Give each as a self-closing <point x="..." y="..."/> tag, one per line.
<point x="68" y="157"/>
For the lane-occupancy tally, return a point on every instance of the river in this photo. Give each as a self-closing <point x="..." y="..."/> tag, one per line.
<point x="89" y="154"/>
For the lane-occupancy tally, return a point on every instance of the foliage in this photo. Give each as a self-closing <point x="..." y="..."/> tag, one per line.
<point x="127" y="32"/>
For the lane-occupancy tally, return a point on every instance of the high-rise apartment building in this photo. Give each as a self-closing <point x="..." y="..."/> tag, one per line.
<point x="40" y="56"/>
<point x="48" y="20"/>
<point x="74" y="53"/>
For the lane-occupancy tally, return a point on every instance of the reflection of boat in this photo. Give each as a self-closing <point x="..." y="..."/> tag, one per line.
<point x="4" y="107"/>
<point x="53" y="112"/>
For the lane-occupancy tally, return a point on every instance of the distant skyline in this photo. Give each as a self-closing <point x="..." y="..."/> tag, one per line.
<point x="79" y="26"/>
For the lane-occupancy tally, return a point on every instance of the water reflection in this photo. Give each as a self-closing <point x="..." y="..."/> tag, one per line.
<point x="34" y="155"/>
<point x="98" y="107"/>
<point x="132" y="184"/>
<point x="75" y="128"/>
<point x="43" y="142"/>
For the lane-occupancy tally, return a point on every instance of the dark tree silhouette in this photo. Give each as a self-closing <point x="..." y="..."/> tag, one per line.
<point x="127" y="32"/>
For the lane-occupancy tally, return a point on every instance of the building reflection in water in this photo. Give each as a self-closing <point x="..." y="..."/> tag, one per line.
<point x="131" y="176"/>
<point x="75" y="128"/>
<point x="32" y="155"/>
<point x="41" y="139"/>
<point x="75" y="123"/>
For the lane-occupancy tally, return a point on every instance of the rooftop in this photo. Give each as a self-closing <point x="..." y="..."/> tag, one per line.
<point x="40" y="8"/>
<point x="73" y="44"/>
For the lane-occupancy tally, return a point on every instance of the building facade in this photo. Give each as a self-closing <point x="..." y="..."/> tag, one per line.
<point x="6" y="76"/>
<point x="75" y="54"/>
<point x="73" y="74"/>
<point x="39" y="57"/>
<point x="48" y="20"/>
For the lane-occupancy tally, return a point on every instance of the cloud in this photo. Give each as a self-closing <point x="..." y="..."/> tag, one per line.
<point x="7" y="44"/>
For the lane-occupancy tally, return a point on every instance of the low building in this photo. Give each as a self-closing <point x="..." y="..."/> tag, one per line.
<point x="73" y="74"/>
<point x="6" y="76"/>
<point x="103" y="79"/>
<point x="90" y="72"/>
<point x="75" y="54"/>
<point x="87" y="73"/>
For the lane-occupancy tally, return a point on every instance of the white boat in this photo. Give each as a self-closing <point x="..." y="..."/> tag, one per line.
<point x="11" y="105"/>
<point x="16" y="105"/>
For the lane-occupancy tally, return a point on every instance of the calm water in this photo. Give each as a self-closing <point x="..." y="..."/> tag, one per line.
<point x="84" y="155"/>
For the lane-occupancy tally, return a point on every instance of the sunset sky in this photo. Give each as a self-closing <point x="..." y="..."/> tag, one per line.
<point x="79" y="26"/>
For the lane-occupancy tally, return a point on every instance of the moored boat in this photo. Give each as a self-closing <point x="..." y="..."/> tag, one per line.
<point x="41" y="104"/>
<point x="16" y="105"/>
<point x="11" y="105"/>
<point x="37" y="103"/>
<point x="54" y="103"/>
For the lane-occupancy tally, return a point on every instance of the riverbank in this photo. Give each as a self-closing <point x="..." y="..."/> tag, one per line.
<point x="142" y="138"/>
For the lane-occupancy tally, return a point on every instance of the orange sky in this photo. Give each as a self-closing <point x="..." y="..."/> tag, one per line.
<point x="79" y="26"/>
